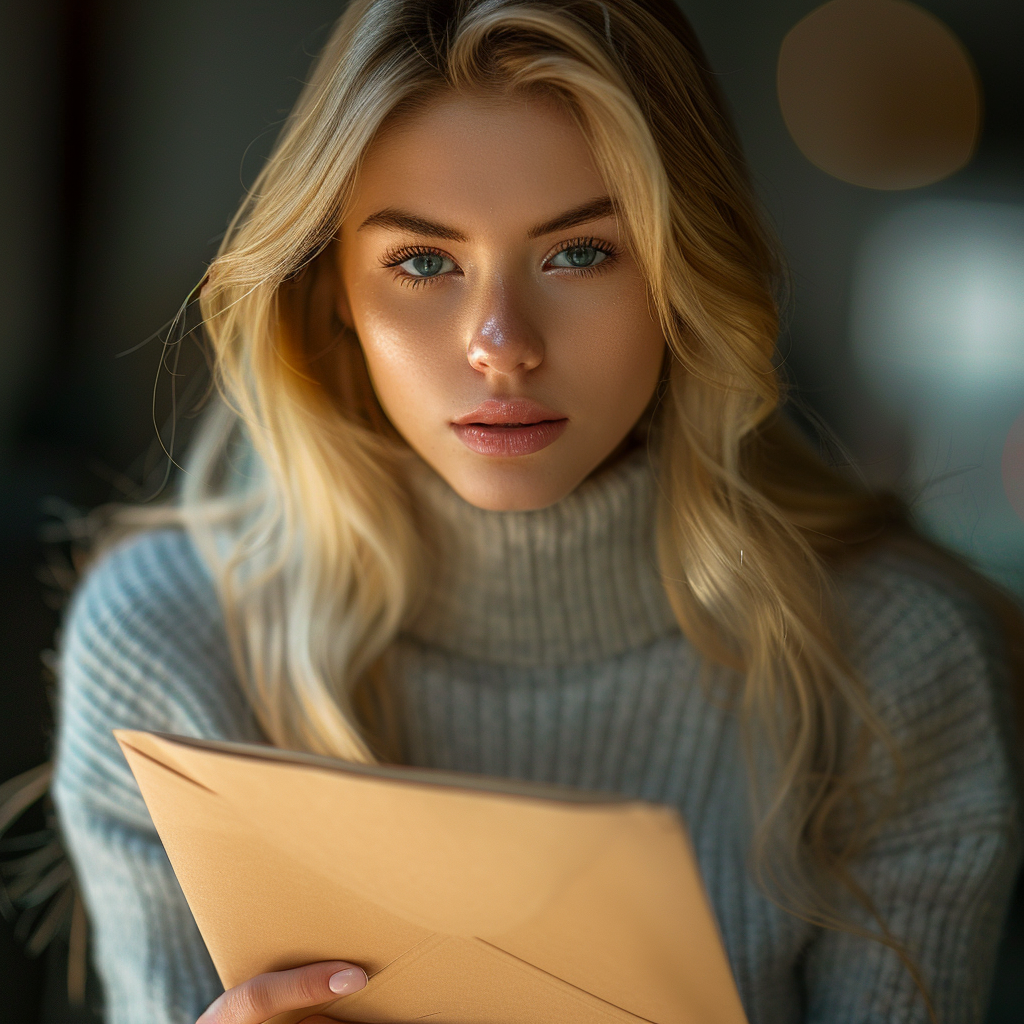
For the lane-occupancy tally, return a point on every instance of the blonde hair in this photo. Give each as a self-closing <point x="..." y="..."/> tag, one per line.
<point x="294" y="491"/>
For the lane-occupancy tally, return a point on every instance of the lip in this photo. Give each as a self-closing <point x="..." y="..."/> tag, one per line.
<point x="509" y="427"/>
<point x="508" y="412"/>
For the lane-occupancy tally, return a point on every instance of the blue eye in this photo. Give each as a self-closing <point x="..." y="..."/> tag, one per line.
<point x="578" y="257"/>
<point x="427" y="264"/>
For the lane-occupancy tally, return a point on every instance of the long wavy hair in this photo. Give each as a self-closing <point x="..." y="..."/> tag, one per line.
<point x="295" y="492"/>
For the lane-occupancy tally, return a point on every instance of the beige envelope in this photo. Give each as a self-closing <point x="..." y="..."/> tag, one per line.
<point x="467" y="900"/>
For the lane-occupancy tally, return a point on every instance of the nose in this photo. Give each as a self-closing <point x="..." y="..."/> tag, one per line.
<point x="501" y="339"/>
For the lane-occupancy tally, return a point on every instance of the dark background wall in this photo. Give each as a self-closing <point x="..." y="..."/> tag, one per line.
<point x="128" y="131"/>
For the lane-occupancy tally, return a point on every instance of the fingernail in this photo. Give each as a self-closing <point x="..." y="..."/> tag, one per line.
<point x="352" y="979"/>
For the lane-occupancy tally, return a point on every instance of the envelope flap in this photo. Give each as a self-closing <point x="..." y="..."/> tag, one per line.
<point x="461" y="861"/>
<point x="135" y="743"/>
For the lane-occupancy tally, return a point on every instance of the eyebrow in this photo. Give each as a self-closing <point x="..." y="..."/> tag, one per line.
<point x="593" y="209"/>
<point x="410" y="222"/>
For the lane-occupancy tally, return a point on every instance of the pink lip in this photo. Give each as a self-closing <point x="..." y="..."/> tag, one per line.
<point x="509" y="412"/>
<point x="509" y="427"/>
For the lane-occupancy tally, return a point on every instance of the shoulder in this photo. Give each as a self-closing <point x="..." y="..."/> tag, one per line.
<point x="155" y="574"/>
<point x="143" y="646"/>
<point x="147" y="604"/>
<point x="935" y="664"/>
<point x="908" y="614"/>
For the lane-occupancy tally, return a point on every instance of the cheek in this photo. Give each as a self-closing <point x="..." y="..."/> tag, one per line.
<point x="402" y="342"/>
<point x="392" y="344"/>
<point x="383" y="325"/>
<point x="618" y="349"/>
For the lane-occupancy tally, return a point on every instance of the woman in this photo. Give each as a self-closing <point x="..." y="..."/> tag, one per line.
<point x="498" y="483"/>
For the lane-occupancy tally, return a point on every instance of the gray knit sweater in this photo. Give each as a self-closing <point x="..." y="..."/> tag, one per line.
<point x="548" y="651"/>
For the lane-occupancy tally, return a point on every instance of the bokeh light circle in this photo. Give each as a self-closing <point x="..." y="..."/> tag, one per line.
<point x="879" y="93"/>
<point x="1013" y="466"/>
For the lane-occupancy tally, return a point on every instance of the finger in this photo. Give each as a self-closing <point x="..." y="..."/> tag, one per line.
<point x="267" y="995"/>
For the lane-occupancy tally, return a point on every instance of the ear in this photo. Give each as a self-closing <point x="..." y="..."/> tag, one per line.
<point x="341" y="303"/>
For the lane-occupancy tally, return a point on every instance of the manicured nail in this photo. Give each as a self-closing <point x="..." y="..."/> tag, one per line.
<point x="352" y="979"/>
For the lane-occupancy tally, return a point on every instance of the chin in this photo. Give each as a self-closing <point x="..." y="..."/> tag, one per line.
<point x="511" y="488"/>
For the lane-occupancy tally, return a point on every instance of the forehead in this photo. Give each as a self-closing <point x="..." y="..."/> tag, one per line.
<point x="480" y="162"/>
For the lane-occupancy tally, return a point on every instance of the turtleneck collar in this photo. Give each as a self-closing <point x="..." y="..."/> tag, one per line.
<point x="575" y="582"/>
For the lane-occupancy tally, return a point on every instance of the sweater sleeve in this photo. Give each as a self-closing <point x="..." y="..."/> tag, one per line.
<point x="941" y="871"/>
<point x="144" y="648"/>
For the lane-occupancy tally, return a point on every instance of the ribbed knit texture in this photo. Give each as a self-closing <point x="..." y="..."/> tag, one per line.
<point x="547" y="651"/>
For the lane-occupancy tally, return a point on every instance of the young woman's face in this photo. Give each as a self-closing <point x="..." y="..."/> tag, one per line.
<point x="506" y="328"/>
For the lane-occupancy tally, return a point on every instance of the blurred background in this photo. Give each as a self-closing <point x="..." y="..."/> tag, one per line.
<point x="130" y="130"/>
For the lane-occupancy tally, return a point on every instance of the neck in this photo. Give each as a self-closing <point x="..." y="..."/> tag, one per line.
<point x="572" y="583"/>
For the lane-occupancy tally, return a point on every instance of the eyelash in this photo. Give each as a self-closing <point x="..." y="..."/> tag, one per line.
<point x="394" y="258"/>
<point x="610" y="251"/>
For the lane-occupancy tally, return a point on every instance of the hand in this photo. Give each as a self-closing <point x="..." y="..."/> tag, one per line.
<point x="258" y="999"/>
